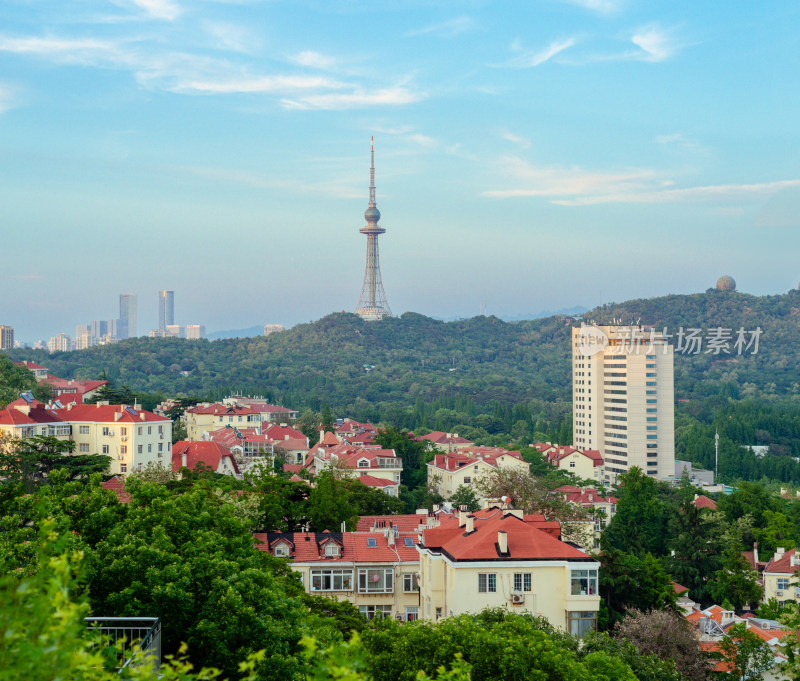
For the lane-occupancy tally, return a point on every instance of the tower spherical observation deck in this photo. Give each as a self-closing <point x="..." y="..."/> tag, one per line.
<point x="372" y="214"/>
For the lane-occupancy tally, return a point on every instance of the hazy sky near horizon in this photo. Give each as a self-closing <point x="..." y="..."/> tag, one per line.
<point x="530" y="155"/>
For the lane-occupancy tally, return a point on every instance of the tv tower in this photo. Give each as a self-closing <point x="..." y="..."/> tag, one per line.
<point x="372" y="304"/>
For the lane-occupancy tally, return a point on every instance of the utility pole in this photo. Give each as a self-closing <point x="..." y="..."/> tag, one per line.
<point x="716" y="457"/>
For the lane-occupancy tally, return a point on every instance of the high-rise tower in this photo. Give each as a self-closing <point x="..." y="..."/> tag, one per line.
<point x="372" y="304"/>
<point x="166" y="309"/>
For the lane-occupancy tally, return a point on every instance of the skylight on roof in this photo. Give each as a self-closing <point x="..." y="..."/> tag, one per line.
<point x="372" y="542"/>
<point x="408" y="541"/>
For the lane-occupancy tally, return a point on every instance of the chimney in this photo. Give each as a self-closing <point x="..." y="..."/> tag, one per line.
<point x="794" y="561"/>
<point x="470" y="523"/>
<point x="141" y="416"/>
<point x="755" y="555"/>
<point x="117" y="415"/>
<point x="502" y="541"/>
<point x="390" y="536"/>
<point x="462" y="518"/>
<point x="321" y="435"/>
<point x="778" y="553"/>
<point x="286" y="437"/>
<point x="184" y="459"/>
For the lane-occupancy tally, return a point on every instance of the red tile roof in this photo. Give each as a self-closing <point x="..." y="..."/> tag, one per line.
<point x="14" y="416"/>
<point x="108" y="413"/>
<point x="784" y="563"/>
<point x="282" y="432"/>
<point x="308" y="547"/>
<point x="440" y="438"/>
<point x="117" y="485"/>
<point x="702" y="501"/>
<point x="217" y="409"/>
<point x="372" y="481"/>
<point x="525" y="542"/>
<point x="209" y="453"/>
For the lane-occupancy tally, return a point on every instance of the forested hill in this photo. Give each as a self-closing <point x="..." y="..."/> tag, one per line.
<point x="356" y="366"/>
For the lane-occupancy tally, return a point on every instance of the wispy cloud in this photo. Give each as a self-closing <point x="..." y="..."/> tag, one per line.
<point x="313" y="60"/>
<point x="267" y="84"/>
<point x="576" y="186"/>
<point x="530" y="59"/>
<point x="601" y="6"/>
<point x="232" y="37"/>
<point x="158" y="9"/>
<point x="507" y="135"/>
<point x="70" y="50"/>
<point x="445" y="29"/>
<point x="655" y="43"/>
<point x="679" y="139"/>
<point x="392" y="96"/>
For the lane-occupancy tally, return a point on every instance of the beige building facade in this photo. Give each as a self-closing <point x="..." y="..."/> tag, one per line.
<point x="623" y="398"/>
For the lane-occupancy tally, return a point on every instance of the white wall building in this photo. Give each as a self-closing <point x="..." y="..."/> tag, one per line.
<point x="623" y="398"/>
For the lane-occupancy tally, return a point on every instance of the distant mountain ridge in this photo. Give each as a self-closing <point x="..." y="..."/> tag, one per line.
<point x="483" y="359"/>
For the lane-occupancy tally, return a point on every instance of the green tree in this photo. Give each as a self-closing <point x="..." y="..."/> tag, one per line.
<point x="188" y="560"/>
<point x="465" y="496"/>
<point x="735" y="581"/>
<point x="748" y="654"/>
<point x="329" y="504"/>
<point x="778" y="532"/>
<point x="640" y="523"/>
<point x="415" y="454"/>
<point x="15" y="380"/>
<point x="369" y="500"/>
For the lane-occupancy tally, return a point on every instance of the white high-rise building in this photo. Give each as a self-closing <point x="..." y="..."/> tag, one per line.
<point x="166" y="309"/>
<point x="195" y="331"/>
<point x="623" y="398"/>
<point x="60" y="343"/>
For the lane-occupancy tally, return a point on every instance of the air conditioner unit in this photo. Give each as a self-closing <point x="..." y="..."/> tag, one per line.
<point x="517" y="599"/>
<point x="124" y="438"/>
<point x="398" y="617"/>
<point x="779" y="593"/>
<point x="121" y="457"/>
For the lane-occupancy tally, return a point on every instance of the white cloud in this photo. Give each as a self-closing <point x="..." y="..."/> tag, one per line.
<point x="158" y="9"/>
<point x="602" y="6"/>
<point x="313" y="60"/>
<point x="274" y="84"/>
<point x="231" y="37"/>
<point x="656" y="45"/>
<point x="576" y="186"/>
<point x="531" y="59"/>
<point x="514" y="139"/>
<point x="71" y="50"/>
<point x="392" y="96"/>
<point x="445" y="29"/>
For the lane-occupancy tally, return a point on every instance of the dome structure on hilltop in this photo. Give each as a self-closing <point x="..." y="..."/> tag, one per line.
<point x="726" y="283"/>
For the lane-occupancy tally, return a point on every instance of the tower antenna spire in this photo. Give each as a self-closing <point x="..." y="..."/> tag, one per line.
<point x="372" y="303"/>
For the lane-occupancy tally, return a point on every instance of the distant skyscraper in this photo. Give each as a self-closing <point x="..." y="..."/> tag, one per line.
<point x="623" y="398"/>
<point x="166" y="309"/>
<point x="127" y="316"/>
<point x="372" y="304"/>
<point x="195" y="331"/>
<point x="6" y="337"/>
<point x="99" y="328"/>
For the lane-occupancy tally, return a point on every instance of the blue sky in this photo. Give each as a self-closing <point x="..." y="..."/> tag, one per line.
<point x="530" y="155"/>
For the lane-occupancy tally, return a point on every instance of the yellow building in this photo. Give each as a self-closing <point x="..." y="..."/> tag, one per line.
<point x="375" y="571"/>
<point x="447" y="472"/>
<point x="500" y="558"/>
<point x="782" y="576"/>
<point x="206" y="417"/>
<point x="132" y="437"/>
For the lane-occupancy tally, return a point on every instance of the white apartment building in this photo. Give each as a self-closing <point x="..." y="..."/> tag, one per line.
<point x="623" y="398"/>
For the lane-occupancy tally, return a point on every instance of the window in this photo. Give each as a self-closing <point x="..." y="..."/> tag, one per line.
<point x="160" y="446"/>
<point x="412" y="613"/>
<point x="123" y="431"/>
<point x="581" y="622"/>
<point x="331" y="549"/>
<point x="584" y="582"/>
<point x="783" y="583"/>
<point x="467" y="481"/>
<point x="161" y="429"/>
<point x="522" y="581"/>
<point x="139" y="430"/>
<point x="331" y="579"/>
<point x="372" y="542"/>
<point x="363" y="463"/>
<point x="410" y="583"/>
<point x="373" y="611"/>
<point x="487" y="582"/>
<point x="281" y="550"/>
<point x="123" y="449"/>
<point x="438" y="614"/>
<point x="149" y="430"/>
<point x="105" y="449"/>
<point x="408" y="541"/>
<point x="84" y="430"/>
<point x="376" y="580"/>
<point x="84" y="447"/>
<point x="106" y="430"/>
<point x="139" y="449"/>
<point x="123" y="468"/>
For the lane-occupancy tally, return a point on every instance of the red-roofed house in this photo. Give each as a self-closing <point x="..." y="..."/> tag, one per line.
<point x="117" y="485"/>
<point x="702" y="501"/>
<point x="781" y="574"/>
<point x="357" y="461"/>
<point x="132" y="437"/>
<point x="447" y="472"/>
<point x="375" y="571"/>
<point x="586" y="464"/>
<point x="498" y="559"/>
<point x="391" y="487"/>
<point x="270" y="412"/>
<point x="188" y="454"/>
<point x="446" y="442"/>
<point x="206" y="417"/>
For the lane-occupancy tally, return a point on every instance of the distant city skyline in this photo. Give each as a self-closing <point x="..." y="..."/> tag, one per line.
<point x="533" y="156"/>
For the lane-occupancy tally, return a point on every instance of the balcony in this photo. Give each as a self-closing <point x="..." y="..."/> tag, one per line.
<point x="137" y="639"/>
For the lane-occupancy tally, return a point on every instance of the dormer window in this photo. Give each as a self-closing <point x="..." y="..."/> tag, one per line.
<point x="363" y="463"/>
<point x="281" y="550"/>
<point x="331" y="549"/>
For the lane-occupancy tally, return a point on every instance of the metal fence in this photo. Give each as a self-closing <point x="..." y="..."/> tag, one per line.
<point x="137" y="639"/>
